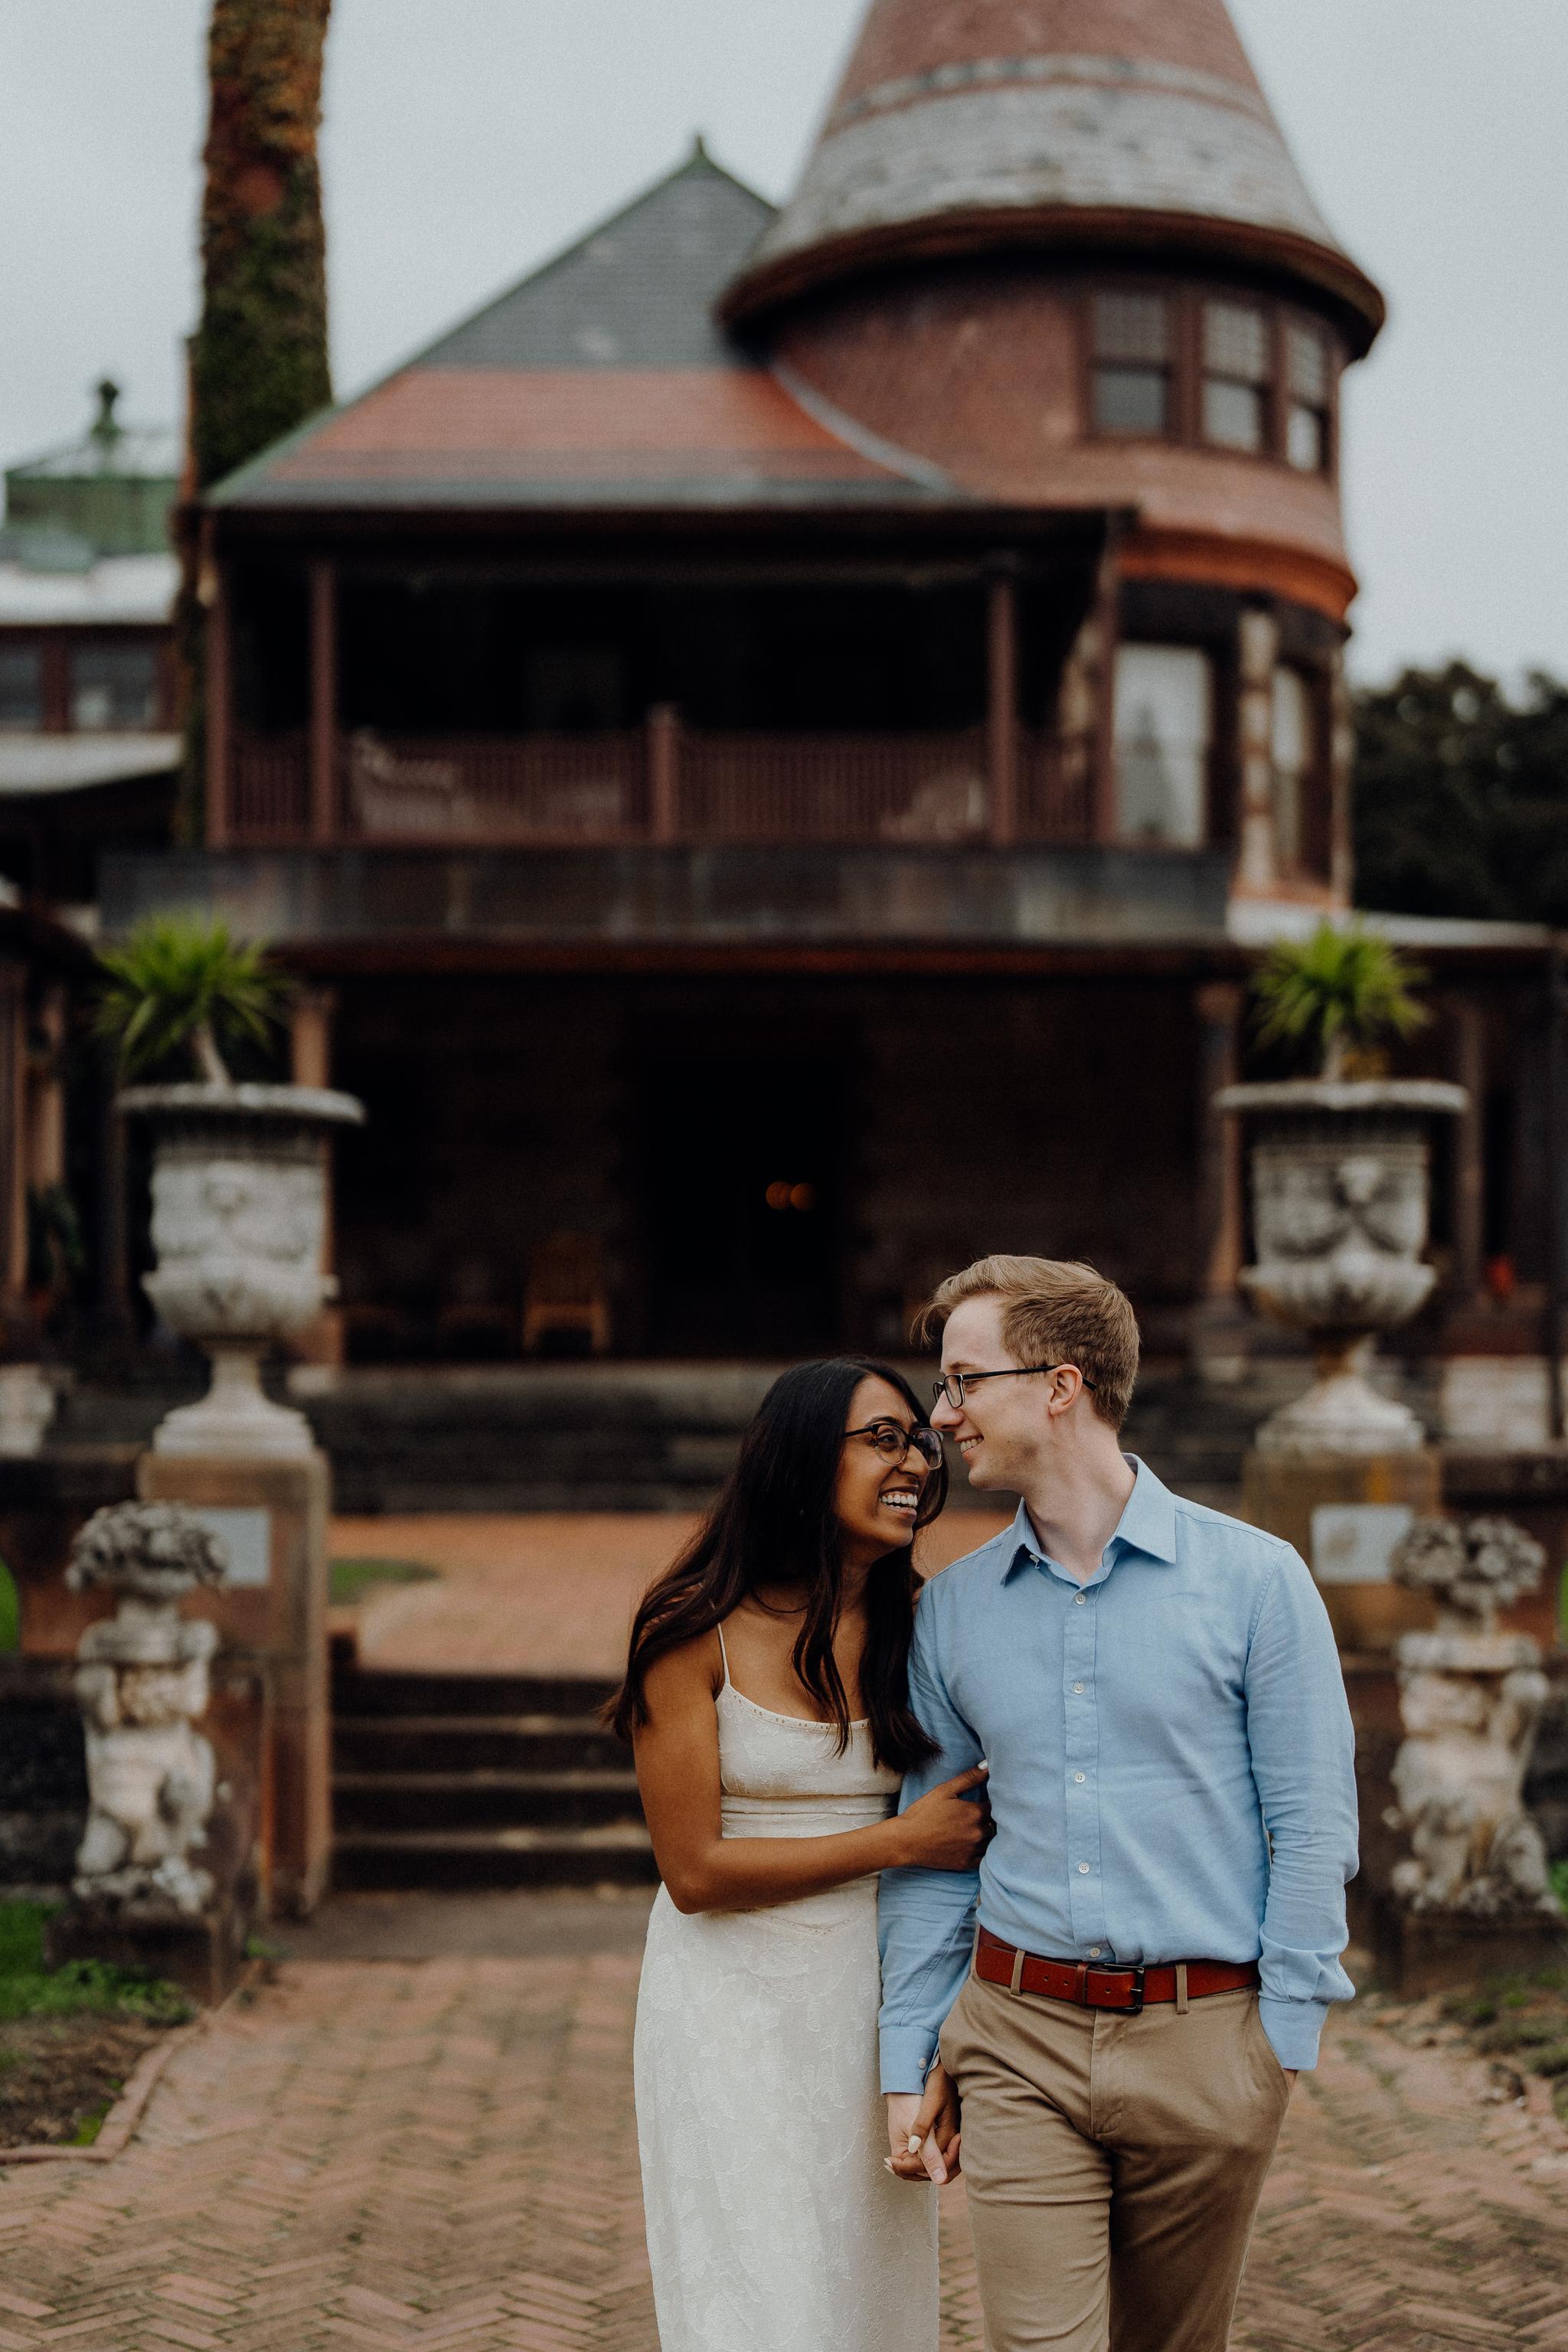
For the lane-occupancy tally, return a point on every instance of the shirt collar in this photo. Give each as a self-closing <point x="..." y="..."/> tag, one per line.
<point x="1147" y="1525"/>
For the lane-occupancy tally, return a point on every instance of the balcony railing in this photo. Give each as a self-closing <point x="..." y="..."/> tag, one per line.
<point x="665" y="783"/>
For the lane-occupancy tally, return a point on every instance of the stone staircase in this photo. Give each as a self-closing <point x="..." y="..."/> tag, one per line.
<point x="466" y="1781"/>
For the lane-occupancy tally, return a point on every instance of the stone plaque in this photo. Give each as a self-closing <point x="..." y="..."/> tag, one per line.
<point x="1351" y="1541"/>
<point x="248" y="1536"/>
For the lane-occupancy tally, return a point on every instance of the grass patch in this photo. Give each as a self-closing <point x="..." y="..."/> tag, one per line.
<point x="1521" y="2019"/>
<point x="352" y="1579"/>
<point x="81" y="1988"/>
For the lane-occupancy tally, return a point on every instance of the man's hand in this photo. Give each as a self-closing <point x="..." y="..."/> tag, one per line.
<point x="923" y="2132"/>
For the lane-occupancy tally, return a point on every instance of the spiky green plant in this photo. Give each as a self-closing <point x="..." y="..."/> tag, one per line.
<point x="1335" y="989"/>
<point x="182" y="984"/>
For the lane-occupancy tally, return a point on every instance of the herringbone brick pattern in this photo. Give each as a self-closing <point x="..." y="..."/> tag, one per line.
<point x="441" y="2157"/>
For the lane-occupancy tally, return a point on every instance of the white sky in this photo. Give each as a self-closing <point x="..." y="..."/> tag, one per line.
<point x="468" y="138"/>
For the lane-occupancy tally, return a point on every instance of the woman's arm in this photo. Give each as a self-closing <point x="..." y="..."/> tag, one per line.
<point x="678" y="1773"/>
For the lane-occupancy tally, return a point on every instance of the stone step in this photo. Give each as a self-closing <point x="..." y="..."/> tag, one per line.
<point x="387" y="1861"/>
<point x="478" y="1799"/>
<point x="373" y="1692"/>
<point x="500" y="1743"/>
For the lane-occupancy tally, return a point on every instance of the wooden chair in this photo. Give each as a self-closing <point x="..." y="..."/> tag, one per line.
<point x="567" y="1293"/>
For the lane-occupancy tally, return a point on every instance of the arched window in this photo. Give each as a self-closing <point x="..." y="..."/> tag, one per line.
<point x="1164" y="728"/>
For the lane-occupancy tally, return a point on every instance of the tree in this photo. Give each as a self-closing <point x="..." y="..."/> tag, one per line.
<point x="259" y="364"/>
<point x="1461" y="797"/>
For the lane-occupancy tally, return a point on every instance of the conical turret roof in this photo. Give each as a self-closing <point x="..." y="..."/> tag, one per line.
<point x="965" y="124"/>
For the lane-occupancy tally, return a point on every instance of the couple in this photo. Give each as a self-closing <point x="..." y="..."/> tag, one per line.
<point x="1110" y="1897"/>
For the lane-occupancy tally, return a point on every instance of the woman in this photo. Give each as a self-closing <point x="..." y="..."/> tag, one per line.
<point x="766" y="1696"/>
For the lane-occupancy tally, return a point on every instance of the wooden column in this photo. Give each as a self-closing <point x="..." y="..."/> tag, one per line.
<point x="310" y="1016"/>
<point x="1341" y="766"/>
<point x="13" y="1141"/>
<point x="116" y="1314"/>
<point x="1219" y="1007"/>
<point x="1107" y="627"/>
<point x="1467" y="1066"/>
<point x="323" y="702"/>
<point x="1257" y="864"/>
<point x="218" y="718"/>
<point x="664" y="772"/>
<point x="1002" y="711"/>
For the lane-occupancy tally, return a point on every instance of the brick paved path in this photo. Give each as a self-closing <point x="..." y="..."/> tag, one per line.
<point x="440" y="2156"/>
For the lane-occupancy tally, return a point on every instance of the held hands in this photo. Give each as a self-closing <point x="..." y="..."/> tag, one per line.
<point x="947" y="1829"/>
<point x="923" y="2131"/>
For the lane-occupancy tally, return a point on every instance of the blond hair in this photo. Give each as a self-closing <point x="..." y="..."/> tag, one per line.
<point x="1053" y="1311"/>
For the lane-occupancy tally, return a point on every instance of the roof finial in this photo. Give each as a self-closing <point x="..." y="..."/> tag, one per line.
<point x="699" y="150"/>
<point x="104" y="427"/>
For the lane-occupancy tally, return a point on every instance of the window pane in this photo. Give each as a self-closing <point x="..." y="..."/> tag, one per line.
<point x="1233" y="414"/>
<point x="1163" y="728"/>
<point x="1307" y="439"/>
<point x="1294" y="749"/>
<point x="1132" y="327"/>
<point x="114" y="686"/>
<point x="21" y="685"/>
<point x="1235" y="341"/>
<point x="1131" y="400"/>
<point x="1307" y="362"/>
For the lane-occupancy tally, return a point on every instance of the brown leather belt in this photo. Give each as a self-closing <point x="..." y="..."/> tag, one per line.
<point x="1129" y="1989"/>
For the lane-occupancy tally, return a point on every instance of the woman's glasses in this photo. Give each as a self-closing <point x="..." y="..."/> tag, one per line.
<point x="892" y="1441"/>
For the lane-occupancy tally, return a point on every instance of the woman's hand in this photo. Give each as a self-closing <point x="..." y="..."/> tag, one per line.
<point x="946" y="1828"/>
<point x="923" y="2131"/>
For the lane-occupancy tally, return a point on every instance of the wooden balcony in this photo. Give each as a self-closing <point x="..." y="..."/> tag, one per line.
<point x="665" y="783"/>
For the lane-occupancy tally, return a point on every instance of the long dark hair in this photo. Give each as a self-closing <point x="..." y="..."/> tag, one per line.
<point x="774" y="1524"/>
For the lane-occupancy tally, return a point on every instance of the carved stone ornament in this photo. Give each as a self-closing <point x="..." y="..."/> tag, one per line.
<point x="142" y="1684"/>
<point x="239" y="1211"/>
<point x="1469" y="1699"/>
<point x="1340" y="1176"/>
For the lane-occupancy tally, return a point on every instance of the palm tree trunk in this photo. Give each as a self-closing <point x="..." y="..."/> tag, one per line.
<point x="210" y="1065"/>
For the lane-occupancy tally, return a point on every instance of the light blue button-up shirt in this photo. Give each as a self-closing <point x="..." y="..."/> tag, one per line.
<point x="1172" y="1769"/>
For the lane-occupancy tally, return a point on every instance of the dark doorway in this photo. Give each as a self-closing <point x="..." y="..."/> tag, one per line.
<point x="742" y="1203"/>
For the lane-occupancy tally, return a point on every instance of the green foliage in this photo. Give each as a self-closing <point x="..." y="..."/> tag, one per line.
<point x="1461" y="797"/>
<point x="10" y="1613"/>
<point x="180" y="983"/>
<point x="28" y="1988"/>
<point x="350" y="1579"/>
<point x="1338" y="988"/>
<point x="56" y="1255"/>
<point x="1560" y="1883"/>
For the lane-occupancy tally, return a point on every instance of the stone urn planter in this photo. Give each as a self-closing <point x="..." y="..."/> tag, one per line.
<point x="1341" y="1181"/>
<point x="239" y="1210"/>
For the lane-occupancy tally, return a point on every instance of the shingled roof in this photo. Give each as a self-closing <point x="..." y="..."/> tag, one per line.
<point x="600" y="380"/>
<point x="962" y="124"/>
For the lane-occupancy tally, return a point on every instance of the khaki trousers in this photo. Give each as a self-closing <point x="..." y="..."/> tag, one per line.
<point x="1114" y="2164"/>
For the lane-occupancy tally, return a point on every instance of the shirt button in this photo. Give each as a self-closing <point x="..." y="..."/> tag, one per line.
<point x="1079" y="1687"/>
<point x="1094" y="1951"/>
<point x="1077" y="1775"/>
<point x="1083" y="1870"/>
<point x="1081" y="1598"/>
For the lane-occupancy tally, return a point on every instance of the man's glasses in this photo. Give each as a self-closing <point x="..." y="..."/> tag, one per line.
<point x="892" y="1441"/>
<point x="953" y="1386"/>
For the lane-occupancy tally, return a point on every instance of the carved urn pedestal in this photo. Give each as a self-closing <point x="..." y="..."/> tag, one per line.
<point x="1340" y="1172"/>
<point x="1470" y="1895"/>
<point x="165" y="1877"/>
<point x="239" y="1225"/>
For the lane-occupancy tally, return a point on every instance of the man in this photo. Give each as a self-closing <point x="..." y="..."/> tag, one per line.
<point x="1160" y="1910"/>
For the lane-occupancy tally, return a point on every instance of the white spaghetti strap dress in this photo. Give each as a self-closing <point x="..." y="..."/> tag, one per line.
<point x="771" y="2223"/>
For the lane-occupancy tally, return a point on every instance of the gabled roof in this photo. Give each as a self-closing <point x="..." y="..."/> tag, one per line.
<point x="602" y="380"/>
<point x="965" y="124"/>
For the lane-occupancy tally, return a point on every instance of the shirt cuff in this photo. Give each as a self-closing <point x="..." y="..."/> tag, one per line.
<point x="1294" y="2029"/>
<point x="908" y="2054"/>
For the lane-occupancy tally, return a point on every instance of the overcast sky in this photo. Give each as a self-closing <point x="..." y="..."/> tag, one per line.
<point x="465" y="139"/>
